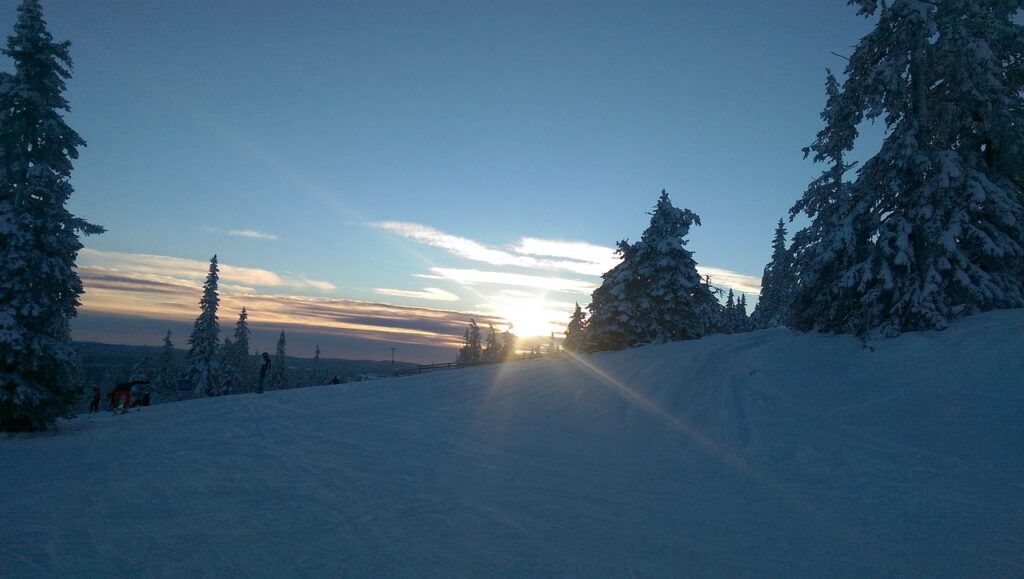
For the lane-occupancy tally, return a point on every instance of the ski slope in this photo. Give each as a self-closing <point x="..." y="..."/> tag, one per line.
<point x="771" y="453"/>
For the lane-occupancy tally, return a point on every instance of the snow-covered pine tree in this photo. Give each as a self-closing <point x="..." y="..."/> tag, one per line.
<point x="508" y="345"/>
<point x="205" y="339"/>
<point x="729" y="325"/>
<point x="776" y="285"/>
<point x="472" y="350"/>
<point x="247" y="369"/>
<point x="460" y="358"/>
<point x="39" y="237"/>
<point x="491" y="353"/>
<point x="742" y="320"/>
<point x="238" y="373"/>
<point x="226" y="367"/>
<point x="167" y="371"/>
<point x="279" y="369"/>
<point x="575" y="331"/>
<point x="143" y="369"/>
<point x="713" y="315"/>
<point x="655" y="294"/>
<point x="932" y="227"/>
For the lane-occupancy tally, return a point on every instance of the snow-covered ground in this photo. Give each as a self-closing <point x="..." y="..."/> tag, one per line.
<point x="770" y="453"/>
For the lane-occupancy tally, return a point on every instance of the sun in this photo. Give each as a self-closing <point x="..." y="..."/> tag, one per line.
<point x="532" y="316"/>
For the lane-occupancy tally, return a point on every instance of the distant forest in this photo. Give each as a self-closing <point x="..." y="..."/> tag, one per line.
<point x="104" y="365"/>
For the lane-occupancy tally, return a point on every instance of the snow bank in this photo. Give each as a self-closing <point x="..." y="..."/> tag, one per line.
<point x="769" y="453"/>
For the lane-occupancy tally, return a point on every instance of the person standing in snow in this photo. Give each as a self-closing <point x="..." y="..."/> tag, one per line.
<point x="263" y="372"/>
<point x="94" y="406"/>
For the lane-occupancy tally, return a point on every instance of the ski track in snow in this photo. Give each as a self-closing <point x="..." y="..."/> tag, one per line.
<point x="768" y="453"/>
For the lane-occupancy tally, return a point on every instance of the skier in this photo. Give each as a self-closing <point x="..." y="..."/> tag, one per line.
<point x="263" y="372"/>
<point x="94" y="406"/>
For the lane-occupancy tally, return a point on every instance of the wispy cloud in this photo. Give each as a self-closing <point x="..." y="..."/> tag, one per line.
<point x="253" y="234"/>
<point x="428" y="293"/>
<point x="177" y="270"/>
<point x="571" y="256"/>
<point x="586" y="258"/>
<point x="501" y="278"/>
<point x="578" y="257"/>
<point x="250" y="233"/>
<point x="459" y="246"/>
<point x="730" y="279"/>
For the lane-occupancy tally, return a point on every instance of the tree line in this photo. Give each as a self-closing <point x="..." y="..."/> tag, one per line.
<point x="929" y="230"/>
<point x="215" y="368"/>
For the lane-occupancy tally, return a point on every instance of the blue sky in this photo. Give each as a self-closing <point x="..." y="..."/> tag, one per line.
<point x="423" y="156"/>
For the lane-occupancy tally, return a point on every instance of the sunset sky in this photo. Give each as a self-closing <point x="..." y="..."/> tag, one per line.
<point x="373" y="174"/>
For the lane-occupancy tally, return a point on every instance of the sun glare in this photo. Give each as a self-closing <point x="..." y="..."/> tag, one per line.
<point x="533" y="316"/>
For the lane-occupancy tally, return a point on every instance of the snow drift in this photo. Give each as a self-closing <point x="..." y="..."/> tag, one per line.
<point x="768" y="453"/>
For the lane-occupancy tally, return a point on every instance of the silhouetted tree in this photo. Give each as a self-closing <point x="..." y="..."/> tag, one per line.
<point x="39" y="237"/>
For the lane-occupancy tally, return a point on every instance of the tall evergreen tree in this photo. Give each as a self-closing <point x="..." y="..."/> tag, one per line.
<point x="508" y="345"/>
<point x="932" y="226"/>
<point x="729" y="325"/>
<point x="243" y="358"/>
<point x="472" y="350"/>
<point x="167" y="371"/>
<point x="205" y="339"/>
<point x="238" y="373"/>
<point x="491" y="353"/>
<point x="229" y="378"/>
<point x="655" y="294"/>
<point x="241" y="335"/>
<point x="575" y="331"/>
<point x="742" y="320"/>
<point x="776" y="285"/>
<point x="143" y="369"/>
<point x="39" y="237"/>
<point x="279" y="369"/>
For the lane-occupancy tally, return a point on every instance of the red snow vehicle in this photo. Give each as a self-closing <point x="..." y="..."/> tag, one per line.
<point x="121" y="397"/>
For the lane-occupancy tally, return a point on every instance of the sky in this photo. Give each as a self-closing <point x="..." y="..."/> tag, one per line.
<point x="371" y="175"/>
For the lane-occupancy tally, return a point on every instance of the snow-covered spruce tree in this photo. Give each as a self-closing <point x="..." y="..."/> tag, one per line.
<point x="491" y="353"/>
<point x="143" y="369"/>
<point x="227" y="370"/>
<point x="776" y="285"/>
<point x="238" y="374"/>
<point x="247" y="369"/>
<point x="508" y="345"/>
<point x="575" y="331"/>
<point x="932" y="227"/>
<point x="472" y="350"/>
<point x="729" y="322"/>
<point x="655" y="294"/>
<point x="742" y="319"/>
<point x="279" y="369"/>
<point x="167" y="371"/>
<point x="39" y="237"/>
<point x="202" y="360"/>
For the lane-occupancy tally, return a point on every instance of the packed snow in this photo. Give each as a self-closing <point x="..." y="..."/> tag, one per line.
<point x="767" y="453"/>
